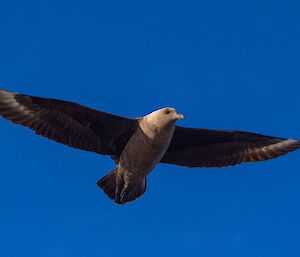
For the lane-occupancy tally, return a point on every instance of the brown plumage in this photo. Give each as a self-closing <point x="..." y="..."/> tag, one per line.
<point x="138" y="145"/>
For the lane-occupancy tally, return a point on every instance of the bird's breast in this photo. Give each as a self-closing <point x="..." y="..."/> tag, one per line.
<point x="142" y="153"/>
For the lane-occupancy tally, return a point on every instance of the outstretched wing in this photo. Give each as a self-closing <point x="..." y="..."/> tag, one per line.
<point x="216" y="148"/>
<point x="68" y="123"/>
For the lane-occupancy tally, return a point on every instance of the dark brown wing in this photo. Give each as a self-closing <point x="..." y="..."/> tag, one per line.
<point x="216" y="148"/>
<point x="69" y="123"/>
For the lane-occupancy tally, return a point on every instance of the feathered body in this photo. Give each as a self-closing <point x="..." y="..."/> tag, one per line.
<point x="141" y="154"/>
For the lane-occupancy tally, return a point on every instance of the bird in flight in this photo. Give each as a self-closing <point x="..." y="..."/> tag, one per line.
<point x="138" y="145"/>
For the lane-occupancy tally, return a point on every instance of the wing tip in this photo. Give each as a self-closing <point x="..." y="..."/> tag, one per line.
<point x="5" y="95"/>
<point x="293" y="142"/>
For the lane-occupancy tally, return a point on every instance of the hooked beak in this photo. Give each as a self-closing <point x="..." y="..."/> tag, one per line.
<point x="180" y="116"/>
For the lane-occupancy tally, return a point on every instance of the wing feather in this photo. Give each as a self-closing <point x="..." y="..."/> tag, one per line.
<point x="220" y="148"/>
<point x="69" y="123"/>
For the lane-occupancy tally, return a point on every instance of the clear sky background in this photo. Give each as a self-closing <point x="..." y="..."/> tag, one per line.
<point x="224" y="64"/>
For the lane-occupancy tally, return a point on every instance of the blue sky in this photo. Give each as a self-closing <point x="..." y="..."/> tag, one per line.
<point x="224" y="64"/>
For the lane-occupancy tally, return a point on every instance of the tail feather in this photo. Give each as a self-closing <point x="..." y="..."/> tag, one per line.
<point x="131" y="193"/>
<point x="108" y="184"/>
<point x="121" y="192"/>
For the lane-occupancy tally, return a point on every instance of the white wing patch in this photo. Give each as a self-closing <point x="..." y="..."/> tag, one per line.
<point x="8" y="99"/>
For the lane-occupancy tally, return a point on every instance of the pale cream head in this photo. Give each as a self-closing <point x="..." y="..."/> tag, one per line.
<point x="164" y="117"/>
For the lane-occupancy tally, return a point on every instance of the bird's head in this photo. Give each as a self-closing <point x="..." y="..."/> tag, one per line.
<point x="164" y="116"/>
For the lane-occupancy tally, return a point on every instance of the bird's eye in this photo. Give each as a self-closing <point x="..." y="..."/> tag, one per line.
<point x="167" y="111"/>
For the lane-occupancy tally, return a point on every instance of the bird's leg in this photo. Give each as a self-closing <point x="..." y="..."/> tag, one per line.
<point x="124" y="193"/>
<point x="119" y="186"/>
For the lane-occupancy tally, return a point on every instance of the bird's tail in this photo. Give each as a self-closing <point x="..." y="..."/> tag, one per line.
<point x="108" y="184"/>
<point x="119" y="192"/>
